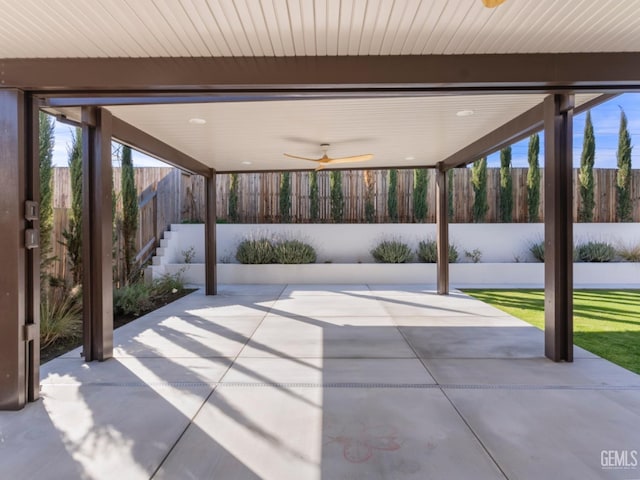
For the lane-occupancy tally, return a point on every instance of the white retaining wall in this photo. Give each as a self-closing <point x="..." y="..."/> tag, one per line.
<point x="504" y="250"/>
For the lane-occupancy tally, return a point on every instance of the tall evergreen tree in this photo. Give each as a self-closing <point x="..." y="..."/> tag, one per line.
<point x="533" y="179"/>
<point x="129" y="212"/>
<point x="450" y="193"/>
<point x="337" y="197"/>
<point x="623" y="178"/>
<point x="73" y="235"/>
<point x="234" y="212"/>
<point x="585" y="175"/>
<point x="506" y="186"/>
<point x="314" y="197"/>
<point x="420" y="182"/>
<point x="46" y="143"/>
<point x="392" y="198"/>
<point x="479" y="184"/>
<point x="285" y="197"/>
<point x="369" y="193"/>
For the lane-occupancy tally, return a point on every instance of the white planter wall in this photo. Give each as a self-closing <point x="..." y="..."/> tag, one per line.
<point x="351" y="243"/>
<point x="347" y="247"/>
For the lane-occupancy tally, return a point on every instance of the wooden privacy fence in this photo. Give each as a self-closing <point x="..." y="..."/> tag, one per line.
<point x="167" y="196"/>
<point x="258" y="196"/>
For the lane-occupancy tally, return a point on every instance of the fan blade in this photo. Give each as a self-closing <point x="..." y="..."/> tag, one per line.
<point x="492" y="3"/>
<point x="356" y="158"/>
<point x="302" y="158"/>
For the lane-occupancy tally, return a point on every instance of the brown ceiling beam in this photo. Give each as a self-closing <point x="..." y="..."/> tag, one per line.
<point x="519" y="128"/>
<point x="518" y="72"/>
<point x="135" y="138"/>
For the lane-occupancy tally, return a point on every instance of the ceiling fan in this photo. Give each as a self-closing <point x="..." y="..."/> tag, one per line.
<point x="492" y="3"/>
<point x="325" y="160"/>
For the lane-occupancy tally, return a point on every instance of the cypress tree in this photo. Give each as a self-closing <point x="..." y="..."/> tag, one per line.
<point x="73" y="235"/>
<point x="285" y="197"/>
<point x="479" y="184"/>
<point x="585" y="175"/>
<point x="392" y="199"/>
<point x="46" y="143"/>
<point x="337" y="197"/>
<point x="420" y="207"/>
<point x="450" y="196"/>
<point x="369" y="203"/>
<point x="623" y="176"/>
<point x="129" y="212"/>
<point x="234" y="214"/>
<point x="533" y="179"/>
<point x="314" y="197"/>
<point x="506" y="187"/>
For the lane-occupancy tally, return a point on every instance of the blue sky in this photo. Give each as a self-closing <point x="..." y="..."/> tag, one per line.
<point x="605" y="117"/>
<point x="606" y="122"/>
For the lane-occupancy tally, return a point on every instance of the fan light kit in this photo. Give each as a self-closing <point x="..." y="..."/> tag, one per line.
<point x="465" y="113"/>
<point x="197" y="121"/>
<point x="325" y="160"/>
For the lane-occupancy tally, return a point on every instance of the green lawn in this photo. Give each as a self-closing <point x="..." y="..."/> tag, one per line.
<point x="605" y="322"/>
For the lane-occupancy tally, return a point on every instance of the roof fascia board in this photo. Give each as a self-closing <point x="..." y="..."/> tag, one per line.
<point x="520" y="72"/>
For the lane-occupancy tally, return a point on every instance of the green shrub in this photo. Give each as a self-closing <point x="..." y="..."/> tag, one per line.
<point x="392" y="251"/>
<point x="167" y="284"/>
<point x="140" y="297"/>
<point x="294" y="251"/>
<point x="254" y="252"/>
<point x="189" y="254"/>
<point x="132" y="299"/>
<point x="474" y="255"/>
<point x="537" y="250"/>
<point x="60" y="315"/>
<point x="428" y="252"/>
<point x="595" y="252"/>
<point x="629" y="253"/>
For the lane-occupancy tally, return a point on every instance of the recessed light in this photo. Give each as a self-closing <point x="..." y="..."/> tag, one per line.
<point x="246" y="162"/>
<point x="197" y="121"/>
<point x="408" y="159"/>
<point x="465" y="113"/>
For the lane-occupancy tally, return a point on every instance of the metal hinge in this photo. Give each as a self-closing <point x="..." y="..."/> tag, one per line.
<point x="30" y="332"/>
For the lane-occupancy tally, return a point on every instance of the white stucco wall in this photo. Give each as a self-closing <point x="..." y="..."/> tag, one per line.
<point x="351" y="243"/>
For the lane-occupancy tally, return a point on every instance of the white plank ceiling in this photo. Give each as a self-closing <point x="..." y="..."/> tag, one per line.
<point x="203" y="28"/>
<point x="397" y="131"/>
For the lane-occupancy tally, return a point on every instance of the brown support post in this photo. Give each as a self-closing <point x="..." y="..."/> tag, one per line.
<point x="97" y="276"/>
<point x="210" y="262"/>
<point x="19" y="256"/>
<point x="32" y="328"/>
<point x="442" y="227"/>
<point x="558" y="227"/>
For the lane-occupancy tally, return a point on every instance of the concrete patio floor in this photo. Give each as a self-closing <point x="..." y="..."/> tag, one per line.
<point x="327" y="382"/>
